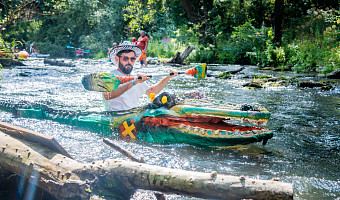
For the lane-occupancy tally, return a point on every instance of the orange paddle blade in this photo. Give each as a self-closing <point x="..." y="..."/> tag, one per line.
<point x="199" y="72"/>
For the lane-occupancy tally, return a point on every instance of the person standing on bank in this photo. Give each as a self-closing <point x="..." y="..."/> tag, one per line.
<point x="142" y="43"/>
<point x="126" y="96"/>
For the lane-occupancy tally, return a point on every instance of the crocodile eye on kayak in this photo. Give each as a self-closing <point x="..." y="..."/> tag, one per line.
<point x="197" y="123"/>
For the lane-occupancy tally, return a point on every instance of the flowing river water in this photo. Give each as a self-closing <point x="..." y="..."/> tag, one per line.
<point x="304" y="151"/>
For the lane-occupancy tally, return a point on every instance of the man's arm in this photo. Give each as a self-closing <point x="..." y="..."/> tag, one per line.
<point x="123" y="88"/>
<point x="119" y="91"/>
<point x="157" y="88"/>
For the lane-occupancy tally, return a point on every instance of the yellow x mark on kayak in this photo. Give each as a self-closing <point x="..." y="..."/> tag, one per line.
<point x="128" y="130"/>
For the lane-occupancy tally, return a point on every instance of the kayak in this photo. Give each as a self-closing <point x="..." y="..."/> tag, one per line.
<point x="184" y="122"/>
<point x="36" y="55"/>
<point x="20" y="54"/>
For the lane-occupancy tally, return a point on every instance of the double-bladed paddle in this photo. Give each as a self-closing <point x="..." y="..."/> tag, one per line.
<point x="69" y="47"/>
<point x="107" y="82"/>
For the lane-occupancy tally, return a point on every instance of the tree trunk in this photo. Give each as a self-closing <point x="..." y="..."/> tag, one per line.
<point x="197" y="11"/>
<point x="191" y="10"/>
<point x="65" y="178"/>
<point x="278" y="19"/>
<point x="179" y="58"/>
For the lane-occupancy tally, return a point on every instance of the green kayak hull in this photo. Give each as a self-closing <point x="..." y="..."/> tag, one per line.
<point x="189" y="124"/>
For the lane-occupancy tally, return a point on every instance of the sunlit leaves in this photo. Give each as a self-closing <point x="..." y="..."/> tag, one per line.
<point x="15" y="10"/>
<point x="139" y="15"/>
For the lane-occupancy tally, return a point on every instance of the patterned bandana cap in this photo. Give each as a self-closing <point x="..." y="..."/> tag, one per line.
<point x="126" y="45"/>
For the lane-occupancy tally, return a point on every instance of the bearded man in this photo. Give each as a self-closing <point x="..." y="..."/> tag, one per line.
<point x="126" y="96"/>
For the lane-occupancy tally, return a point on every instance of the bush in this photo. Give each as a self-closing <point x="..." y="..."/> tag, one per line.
<point x="202" y="55"/>
<point x="166" y="48"/>
<point x="317" y="46"/>
<point x="246" y="45"/>
<point x="99" y="55"/>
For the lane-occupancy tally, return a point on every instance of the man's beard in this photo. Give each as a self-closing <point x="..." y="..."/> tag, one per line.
<point x="124" y="69"/>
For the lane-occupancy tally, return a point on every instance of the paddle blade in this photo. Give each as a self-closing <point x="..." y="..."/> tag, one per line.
<point x="69" y="47"/>
<point x="100" y="82"/>
<point x="199" y="72"/>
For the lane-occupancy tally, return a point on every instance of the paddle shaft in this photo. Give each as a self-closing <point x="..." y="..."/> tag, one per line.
<point x="168" y="74"/>
<point x="106" y="82"/>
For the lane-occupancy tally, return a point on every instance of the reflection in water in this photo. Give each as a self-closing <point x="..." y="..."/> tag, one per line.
<point x="305" y="122"/>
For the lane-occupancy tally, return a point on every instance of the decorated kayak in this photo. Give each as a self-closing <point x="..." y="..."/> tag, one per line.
<point x="167" y="123"/>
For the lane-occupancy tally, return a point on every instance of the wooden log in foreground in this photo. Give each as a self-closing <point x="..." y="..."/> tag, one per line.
<point x="65" y="178"/>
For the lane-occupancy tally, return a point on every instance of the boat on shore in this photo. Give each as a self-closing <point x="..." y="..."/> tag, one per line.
<point x="180" y="123"/>
<point x="20" y="54"/>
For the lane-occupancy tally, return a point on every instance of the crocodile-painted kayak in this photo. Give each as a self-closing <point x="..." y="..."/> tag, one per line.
<point x="181" y="123"/>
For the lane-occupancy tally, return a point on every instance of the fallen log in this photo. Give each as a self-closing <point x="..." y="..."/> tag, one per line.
<point x="33" y="136"/>
<point x="334" y="74"/>
<point x="226" y="75"/>
<point x="58" y="63"/>
<point x="179" y="58"/>
<point x="65" y="178"/>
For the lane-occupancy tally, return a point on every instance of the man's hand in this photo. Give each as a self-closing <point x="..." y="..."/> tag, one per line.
<point x="175" y="73"/>
<point x="144" y="78"/>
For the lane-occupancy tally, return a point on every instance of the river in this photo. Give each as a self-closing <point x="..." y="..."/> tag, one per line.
<point x="305" y="149"/>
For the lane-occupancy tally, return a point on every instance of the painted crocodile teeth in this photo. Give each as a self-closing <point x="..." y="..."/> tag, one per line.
<point x="217" y="132"/>
<point x="181" y="126"/>
<point x="188" y="128"/>
<point x="255" y="131"/>
<point x="196" y="129"/>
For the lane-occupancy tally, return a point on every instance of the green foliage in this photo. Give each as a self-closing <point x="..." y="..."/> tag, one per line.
<point x="222" y="31"/>
<point x="14" y="11"/>
<point x="202" y="54"/>
<point x="316" y="48"/>
<point x="139" y="14"/>
<point x="165" y="48"/>
<point x="247" y="45"/>
<point x="100" y="55"/>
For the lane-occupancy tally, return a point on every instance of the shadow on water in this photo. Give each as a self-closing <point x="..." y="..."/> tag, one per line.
<point x="305" y="149"/>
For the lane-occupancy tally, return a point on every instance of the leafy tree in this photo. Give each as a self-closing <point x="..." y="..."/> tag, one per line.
<point x="15" y="10"/>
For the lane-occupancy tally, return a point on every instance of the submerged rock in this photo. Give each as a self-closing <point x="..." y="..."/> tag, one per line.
<point x="58" y="63"/>
<point x="312" y="84"/>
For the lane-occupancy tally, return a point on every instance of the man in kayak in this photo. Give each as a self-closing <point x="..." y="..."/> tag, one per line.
<point x="79" y="53"/>
<point x="126" y="96"/>
<point x="142" y="43"/>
